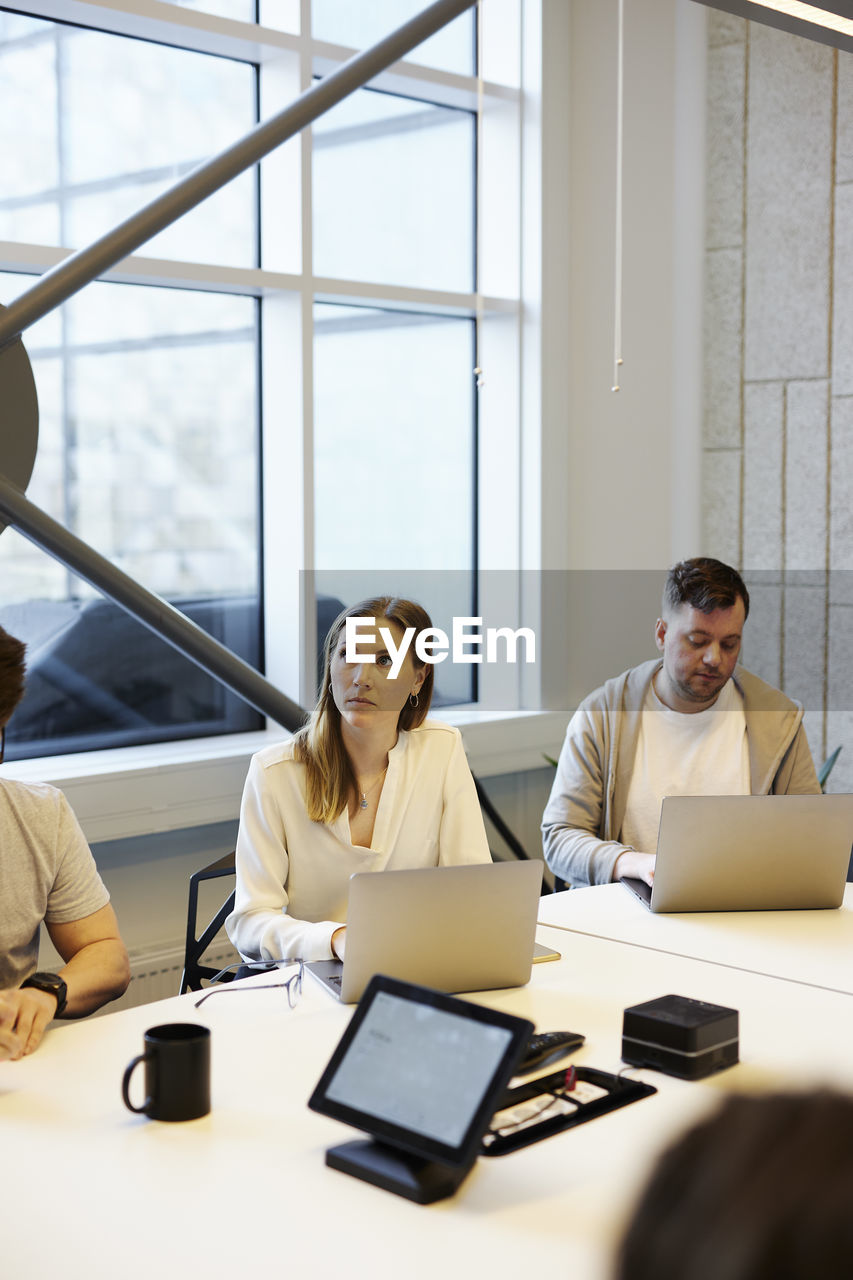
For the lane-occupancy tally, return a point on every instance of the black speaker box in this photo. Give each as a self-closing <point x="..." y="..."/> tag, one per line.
<point x="680" y="1036"/>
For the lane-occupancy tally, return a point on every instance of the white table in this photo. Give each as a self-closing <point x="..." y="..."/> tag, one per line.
<point x="91" y="1191"/>
<point x="809" y="947"/>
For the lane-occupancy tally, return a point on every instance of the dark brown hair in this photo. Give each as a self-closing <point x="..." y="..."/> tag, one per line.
<point x="704" y="584"/>
<point x="12" y="674"/>
<point x="319" y="744"/>
<point x="762" y="1190"/>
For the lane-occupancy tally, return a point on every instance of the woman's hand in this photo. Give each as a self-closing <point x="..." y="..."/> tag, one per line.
<point x="339" y="942"/>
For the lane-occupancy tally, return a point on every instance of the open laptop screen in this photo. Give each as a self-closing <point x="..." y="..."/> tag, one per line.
<point x="752" y="853"/>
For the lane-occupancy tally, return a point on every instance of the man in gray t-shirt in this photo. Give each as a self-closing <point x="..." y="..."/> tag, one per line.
<point x="48" y="875"/>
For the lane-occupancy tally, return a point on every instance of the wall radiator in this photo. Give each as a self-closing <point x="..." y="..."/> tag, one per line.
<point x="155" y="972"/>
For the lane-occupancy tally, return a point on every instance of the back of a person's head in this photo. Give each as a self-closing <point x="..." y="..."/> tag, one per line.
<point x="761" y="1190"/>
<point x="705" y="584"/>
<point x="12" y="674"/>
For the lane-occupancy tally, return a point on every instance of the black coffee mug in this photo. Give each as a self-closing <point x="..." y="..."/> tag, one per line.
<point x="177" y="1072"/>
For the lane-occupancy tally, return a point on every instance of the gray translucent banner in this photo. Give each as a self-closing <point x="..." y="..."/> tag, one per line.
<point x="590" y="625"/>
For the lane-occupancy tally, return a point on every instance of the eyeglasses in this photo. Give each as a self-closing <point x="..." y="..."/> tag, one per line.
<point x="292" y="985"/>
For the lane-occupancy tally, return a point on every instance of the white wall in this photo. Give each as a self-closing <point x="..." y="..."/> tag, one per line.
<point x="778" y="443"/>
<point x="621" y="475"/>
<point x="633" y="483"/>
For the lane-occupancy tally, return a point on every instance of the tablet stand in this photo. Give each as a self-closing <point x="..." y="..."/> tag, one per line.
<point x="393" y="1169"/>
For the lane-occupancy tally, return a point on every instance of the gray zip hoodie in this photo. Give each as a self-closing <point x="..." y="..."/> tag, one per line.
<point x="584" y="813"/>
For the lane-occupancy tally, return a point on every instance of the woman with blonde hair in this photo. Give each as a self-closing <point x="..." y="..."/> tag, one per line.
<point x="368" y="784"/>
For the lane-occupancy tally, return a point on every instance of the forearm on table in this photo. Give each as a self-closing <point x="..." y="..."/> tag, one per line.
<point x="579" y="857"/>
<point x="96" y="974"/>
<point x="574" y="819"/>
<point x="261" y="934"/>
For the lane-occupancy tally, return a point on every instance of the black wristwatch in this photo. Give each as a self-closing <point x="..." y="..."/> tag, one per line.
<point x="53" y="984"/>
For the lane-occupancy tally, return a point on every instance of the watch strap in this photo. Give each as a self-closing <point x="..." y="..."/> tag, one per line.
<point x="52" y="984"/>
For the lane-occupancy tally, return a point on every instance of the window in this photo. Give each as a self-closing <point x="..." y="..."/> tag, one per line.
<point x="148" y="396"/>
<point x="395" y="415"/>
<point x="205" y="407"/>
<point x="416" y="230"/>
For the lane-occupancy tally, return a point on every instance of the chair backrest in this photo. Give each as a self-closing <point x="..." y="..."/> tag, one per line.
<point x="512" y="842"/>
<point x="489" y="811"/>
<point x="198" y="942"/>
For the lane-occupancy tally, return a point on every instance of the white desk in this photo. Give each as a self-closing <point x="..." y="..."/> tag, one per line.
<point x="91" y="1191"/>
<point x="810" y="947"/>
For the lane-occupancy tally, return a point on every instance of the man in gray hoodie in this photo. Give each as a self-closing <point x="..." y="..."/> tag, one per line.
<point x="690" y="723"/>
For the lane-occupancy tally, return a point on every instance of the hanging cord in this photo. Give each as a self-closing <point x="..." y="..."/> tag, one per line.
<point x="478" y="293"/>
<point x="617" y="309"/>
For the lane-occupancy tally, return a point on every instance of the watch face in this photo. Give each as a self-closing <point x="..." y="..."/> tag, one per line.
<point x="52" y="984"/>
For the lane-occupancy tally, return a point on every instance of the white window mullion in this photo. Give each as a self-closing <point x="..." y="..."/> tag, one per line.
<point x="305" y="567"/>
<point x="546" y="352"/>
<point x="286" y="438"/>
<point x="172" y="25"/>
<point x="499" y="263"/>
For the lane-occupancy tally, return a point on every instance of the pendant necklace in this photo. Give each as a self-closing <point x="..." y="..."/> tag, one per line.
<point x="365" y="794"/>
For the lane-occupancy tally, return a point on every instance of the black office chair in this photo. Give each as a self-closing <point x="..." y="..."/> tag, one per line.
<point x="512" y="842"/>
<point x="489" y="810"/>
<point x="197" y="943"/>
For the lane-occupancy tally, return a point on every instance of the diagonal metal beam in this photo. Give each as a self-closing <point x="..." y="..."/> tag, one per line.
<point x="156" y="614"/>
<point x="71" y="275"/>
<point x="828" y="22"/>
<point x="58" y="284"/>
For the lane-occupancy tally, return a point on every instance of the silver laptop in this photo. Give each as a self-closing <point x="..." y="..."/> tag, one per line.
<point x="453" y="928"/>
<point x="750" y="853"/>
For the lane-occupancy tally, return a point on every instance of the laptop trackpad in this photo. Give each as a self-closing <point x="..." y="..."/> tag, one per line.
<point x="329" y="972"/>
<point x="639" y="888"/>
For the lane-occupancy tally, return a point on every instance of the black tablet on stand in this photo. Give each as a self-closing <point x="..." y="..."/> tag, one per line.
<point x="422" y="1073"/>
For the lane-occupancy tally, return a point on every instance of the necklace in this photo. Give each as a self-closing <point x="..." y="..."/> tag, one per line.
<point x="365" y="794"/>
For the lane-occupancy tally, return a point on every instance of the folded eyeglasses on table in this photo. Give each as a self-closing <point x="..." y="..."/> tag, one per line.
<point x="292" y="985"/>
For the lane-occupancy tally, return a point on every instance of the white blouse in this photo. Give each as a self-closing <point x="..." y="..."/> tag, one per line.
<point x="293" y="874"/>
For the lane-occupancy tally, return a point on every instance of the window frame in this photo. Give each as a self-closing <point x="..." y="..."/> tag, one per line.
<point x="167" y="786"/>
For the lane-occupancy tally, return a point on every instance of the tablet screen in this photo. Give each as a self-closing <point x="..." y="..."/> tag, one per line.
<point x="421" y="1069"/>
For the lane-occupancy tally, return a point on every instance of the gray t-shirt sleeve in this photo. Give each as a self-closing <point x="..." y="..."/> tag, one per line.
<point x="47" y="873"/>
<point x="78" y="889"/>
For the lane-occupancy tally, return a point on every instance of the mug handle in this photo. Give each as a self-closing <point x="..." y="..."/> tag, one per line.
<point x="125" y="1086"/>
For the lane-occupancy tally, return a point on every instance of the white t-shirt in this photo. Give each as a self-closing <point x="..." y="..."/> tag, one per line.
<point x="682" y="754"/>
